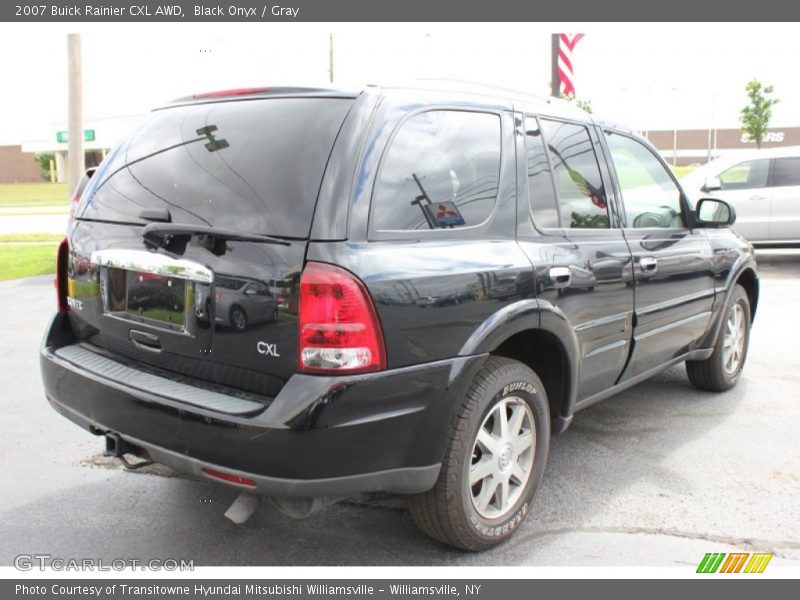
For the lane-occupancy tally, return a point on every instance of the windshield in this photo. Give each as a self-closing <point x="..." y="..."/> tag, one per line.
<point x="252" y="166"/>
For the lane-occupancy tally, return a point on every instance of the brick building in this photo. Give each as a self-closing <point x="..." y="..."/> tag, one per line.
<point x="697" y="146"/>
<point x="17" y="166"/>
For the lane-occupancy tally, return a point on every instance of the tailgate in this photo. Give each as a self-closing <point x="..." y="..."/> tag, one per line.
<point x="203" y="305"/>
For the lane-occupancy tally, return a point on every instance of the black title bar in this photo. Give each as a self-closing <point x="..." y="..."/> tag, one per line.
<point x="403" y="10"/>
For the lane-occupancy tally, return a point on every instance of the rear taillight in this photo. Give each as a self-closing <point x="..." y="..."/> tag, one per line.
<point x="62" y="260"/>
<point x="339" y="328"/>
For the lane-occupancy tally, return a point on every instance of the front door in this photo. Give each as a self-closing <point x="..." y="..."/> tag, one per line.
<point x="673" y="266"/>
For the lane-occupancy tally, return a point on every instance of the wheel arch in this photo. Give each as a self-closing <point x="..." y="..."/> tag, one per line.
<point x="537" y="334"/>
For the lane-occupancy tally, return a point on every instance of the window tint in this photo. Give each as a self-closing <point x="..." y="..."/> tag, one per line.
<point x="442" y="170"/>
<point x="253" y="166"/>
<point x="541" y="194"/>
<point x="651" y="197"/>
<point x="787" y="171"/>
<point x="580" y="188"/>
<point x="746" y="175"/>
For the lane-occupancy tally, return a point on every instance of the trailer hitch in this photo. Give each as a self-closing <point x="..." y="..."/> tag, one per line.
<point x="118" y="448"/>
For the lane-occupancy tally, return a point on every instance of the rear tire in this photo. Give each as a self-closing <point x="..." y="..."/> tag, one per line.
<point x="494" y="462"/>
<point x="721" y="371"/>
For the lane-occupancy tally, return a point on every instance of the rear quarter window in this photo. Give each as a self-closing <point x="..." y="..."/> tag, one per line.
<point x="441" y="171"/>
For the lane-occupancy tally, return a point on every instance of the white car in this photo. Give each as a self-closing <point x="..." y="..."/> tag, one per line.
<point x="763" y="186"/>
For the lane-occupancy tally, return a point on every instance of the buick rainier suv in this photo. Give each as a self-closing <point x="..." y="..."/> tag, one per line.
<point x="309" y="294"/>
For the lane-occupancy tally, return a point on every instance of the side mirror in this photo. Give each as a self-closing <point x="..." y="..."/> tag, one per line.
<point x="712" y="184"/>
<point x="711" y="212"/>
<point x="250" y="292"/>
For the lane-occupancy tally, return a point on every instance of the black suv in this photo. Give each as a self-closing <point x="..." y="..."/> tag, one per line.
<point x="454" y="275"/>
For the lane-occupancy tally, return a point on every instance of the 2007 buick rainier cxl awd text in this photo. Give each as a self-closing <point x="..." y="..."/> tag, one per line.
<point x="307" y="294"/>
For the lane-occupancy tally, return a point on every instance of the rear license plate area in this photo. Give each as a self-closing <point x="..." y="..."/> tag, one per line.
<point x="149" y="298"/>
<point x="156" y="298"/>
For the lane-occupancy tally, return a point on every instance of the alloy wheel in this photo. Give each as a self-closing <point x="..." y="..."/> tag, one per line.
<point x="502" y="458"/>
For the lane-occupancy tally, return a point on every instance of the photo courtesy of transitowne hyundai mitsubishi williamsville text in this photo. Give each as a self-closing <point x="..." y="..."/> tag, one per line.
<point x="226" y="591"/>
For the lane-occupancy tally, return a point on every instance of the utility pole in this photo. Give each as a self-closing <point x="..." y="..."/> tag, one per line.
<point x="75" y="117"/>
<point x="555" y="83"/>
<point x="330" y="56"/>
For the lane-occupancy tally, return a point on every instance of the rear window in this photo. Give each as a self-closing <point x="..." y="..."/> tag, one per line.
<point x="787" y="171"/>
<point x="253" y="166"/>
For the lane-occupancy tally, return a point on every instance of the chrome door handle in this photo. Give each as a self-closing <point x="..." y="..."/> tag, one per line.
<point x="648" y="264"/>
<point x="560" y="276"/>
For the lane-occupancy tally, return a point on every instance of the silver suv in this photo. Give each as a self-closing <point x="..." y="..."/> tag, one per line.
<point x="763" y="186"/>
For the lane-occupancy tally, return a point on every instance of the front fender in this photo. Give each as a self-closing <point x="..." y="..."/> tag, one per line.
<point x="744" y="263"/>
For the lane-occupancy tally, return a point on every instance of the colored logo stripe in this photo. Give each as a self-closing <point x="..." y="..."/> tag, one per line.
<point x="758" y="563"/>
<point x="713" y="562"/>
<point x="734" y="562"/>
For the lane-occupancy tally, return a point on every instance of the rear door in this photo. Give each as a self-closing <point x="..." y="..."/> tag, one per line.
<point x="253" y="167"/>
<point x="673" y="266"/>
<point x="784" y="194"/>
<point x="580" y="258"/>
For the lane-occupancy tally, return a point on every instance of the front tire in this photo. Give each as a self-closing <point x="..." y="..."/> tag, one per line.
<point x="494" y="462"/>
<point x="238" y="318"/>
<point x="722" y="369"/>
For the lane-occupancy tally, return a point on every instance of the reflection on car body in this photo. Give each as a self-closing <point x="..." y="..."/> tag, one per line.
<point x="239" y="302"/>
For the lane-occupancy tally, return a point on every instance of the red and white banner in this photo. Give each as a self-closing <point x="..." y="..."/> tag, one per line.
<point x="566" y="75"/>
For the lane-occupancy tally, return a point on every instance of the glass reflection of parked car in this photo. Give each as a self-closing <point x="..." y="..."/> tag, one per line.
<point x="239" y="302"/>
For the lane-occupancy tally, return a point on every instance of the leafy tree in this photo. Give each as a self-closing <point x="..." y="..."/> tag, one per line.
<point x="584" y="105"/>
<point x="756" y="115"/>
<point x="44" y="163"/>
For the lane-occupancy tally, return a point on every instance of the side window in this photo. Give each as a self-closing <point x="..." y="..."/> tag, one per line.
<point x="582" y="198"/>
<point x="651" y="196"/>
<point x="442" y="171"/>
<point x="746" y="175"/>
<point x="787" y="171"/>
<point x="260" y="288"/>
<point x="541" y="193"/>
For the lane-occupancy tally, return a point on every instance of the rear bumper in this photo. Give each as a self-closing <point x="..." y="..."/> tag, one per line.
<point x="320" y="437"/>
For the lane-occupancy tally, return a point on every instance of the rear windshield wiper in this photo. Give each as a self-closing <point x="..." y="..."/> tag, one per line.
<point x="174" y="237"/>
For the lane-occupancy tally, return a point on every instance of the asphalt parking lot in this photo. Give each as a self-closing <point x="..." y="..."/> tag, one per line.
<point x="658" y="475"/>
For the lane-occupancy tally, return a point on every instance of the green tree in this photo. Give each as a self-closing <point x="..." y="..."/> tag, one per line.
<point x="44" y="164"/>
<point x="584" y="105"/>
<point x="756" y="115"/>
